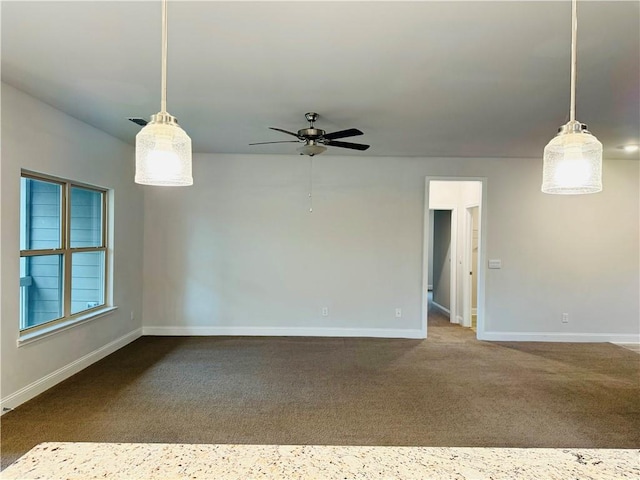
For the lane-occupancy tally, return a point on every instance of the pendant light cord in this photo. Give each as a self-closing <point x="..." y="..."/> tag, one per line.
<point x="163" y="101"/>
<point x="574" y="35"/>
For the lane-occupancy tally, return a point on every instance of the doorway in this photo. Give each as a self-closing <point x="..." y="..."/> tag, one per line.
<point x="441" y="266"/>
<point x="454" y="238"/>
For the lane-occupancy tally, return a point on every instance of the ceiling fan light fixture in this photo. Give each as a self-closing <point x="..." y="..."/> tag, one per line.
<point x="316" y="140"/>
<point x="163" y="149"/>
<point x="572" y="161"/>
<point x="311" y="149"/>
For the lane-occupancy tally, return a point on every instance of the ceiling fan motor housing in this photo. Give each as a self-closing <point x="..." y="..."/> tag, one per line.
<point x="310" y="133"/>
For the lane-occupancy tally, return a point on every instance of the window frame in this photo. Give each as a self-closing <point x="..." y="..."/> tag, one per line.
<point x="66" y="251"/>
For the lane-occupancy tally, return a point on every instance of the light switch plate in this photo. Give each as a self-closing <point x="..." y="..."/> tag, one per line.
<point x="495" y="263"/>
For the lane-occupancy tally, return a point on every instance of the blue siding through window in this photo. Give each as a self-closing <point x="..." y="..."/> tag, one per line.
<point x="44" y="224"/>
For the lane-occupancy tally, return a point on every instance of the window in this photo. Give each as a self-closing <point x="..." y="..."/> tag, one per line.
<point x="63" y="250"/>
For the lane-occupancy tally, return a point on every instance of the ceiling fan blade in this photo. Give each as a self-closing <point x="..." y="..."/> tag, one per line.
<point x="139" y="121"/>
<point x="283" y="141"/>
<point x="284" y="131"/>
<point x="353" y="146"/>
<point x="351" y="132"/>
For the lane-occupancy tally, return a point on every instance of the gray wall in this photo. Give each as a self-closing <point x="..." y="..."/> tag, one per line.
<point x="442" y="257"/>
<point x="239" y="251"/>
<point x="39" y="138"/>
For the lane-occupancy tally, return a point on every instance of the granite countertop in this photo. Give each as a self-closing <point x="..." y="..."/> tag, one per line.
<point x="134" y="461"/>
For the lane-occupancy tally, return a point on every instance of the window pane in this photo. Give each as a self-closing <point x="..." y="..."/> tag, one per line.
<point x="40" y="204"/>
<point x="87" y="280"/>
<point x="86" y="218"/>
<point x="40" y="289"/>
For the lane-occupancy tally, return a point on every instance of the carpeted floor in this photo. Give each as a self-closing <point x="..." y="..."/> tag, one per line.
<point x="449" y="390"/>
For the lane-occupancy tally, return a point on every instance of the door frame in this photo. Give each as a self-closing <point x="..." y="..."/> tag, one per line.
<point x="482" y="253"/>
<point x="467" y="289"/>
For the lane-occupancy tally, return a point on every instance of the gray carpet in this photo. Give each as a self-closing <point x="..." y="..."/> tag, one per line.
<point x="449" y="390"/>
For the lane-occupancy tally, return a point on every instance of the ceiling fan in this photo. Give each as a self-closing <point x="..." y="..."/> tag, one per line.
<point x="138" y="121"/>
<point x="315" y="139"/>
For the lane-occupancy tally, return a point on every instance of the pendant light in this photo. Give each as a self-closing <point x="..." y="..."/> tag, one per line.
<point x="573" y="159"/>
<point x="163" y="149"/>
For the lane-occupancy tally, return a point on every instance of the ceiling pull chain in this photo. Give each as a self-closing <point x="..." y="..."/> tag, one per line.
<point x="310" y="184"/>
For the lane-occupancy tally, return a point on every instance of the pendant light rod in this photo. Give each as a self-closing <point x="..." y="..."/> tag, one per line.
<point x="574" y="39"/>
<point x="165" y="46"/>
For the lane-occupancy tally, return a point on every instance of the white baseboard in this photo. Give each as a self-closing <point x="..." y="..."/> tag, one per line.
<point x="48" y="381"/>
<point x="474" y="311"/>
<point x="459" y="320"/>
<point x="284" y="332"/>
<point x="441" y="308"/>
<point x="558" y="337"/>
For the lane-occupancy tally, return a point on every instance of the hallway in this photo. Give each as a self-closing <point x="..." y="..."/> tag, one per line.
<point x="441" y="330"/>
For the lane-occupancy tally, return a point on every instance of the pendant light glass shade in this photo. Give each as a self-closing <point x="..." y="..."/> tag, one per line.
<point x="163" y="153"/>
<point x="572" y="162"/>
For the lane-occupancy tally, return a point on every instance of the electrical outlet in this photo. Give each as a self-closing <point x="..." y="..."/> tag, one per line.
<point x="398" y="312"/>
<point x="325" y="311"/>
<point x="565" y="318"/>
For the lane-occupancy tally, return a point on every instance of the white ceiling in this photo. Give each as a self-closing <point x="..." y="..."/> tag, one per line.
<point x="469" y="79"/>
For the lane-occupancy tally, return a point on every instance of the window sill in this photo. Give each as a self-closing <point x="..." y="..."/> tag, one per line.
<point x="31" y="337"/>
